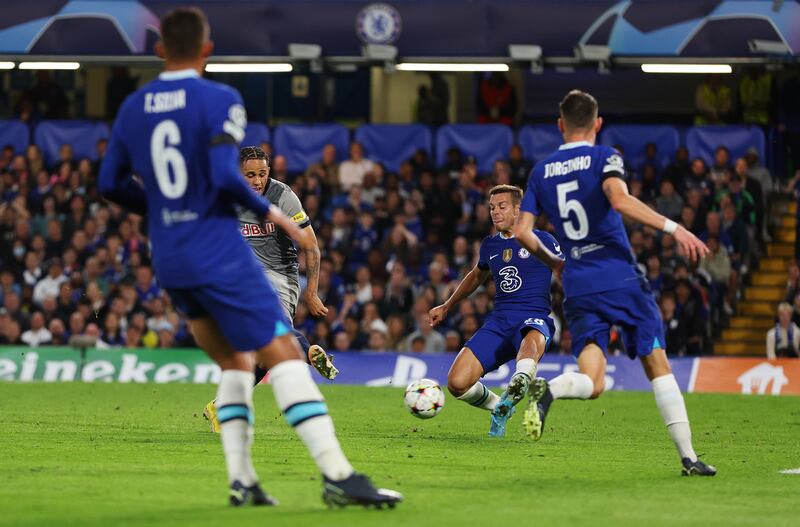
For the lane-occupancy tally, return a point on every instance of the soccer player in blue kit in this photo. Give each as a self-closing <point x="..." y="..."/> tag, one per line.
<point x="179" y="135"/>
<point x="582" y="191"/>
<point x="518" y="327"/>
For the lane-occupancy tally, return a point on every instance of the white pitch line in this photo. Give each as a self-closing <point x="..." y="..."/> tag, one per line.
<point x="791" y="471"/>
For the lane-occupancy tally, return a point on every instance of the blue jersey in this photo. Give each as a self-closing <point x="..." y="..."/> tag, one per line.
<point x="179" y="134"/>
<point x="567" y="186"/>
<point x="522" y="282"/>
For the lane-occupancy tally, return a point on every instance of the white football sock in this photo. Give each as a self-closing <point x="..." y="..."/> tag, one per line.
<point x="572" y="385"/>
<point x="480" y="396"/>
<point x="526" y="366"/>
<point x="669" y="400"/>
<point x="235" y="413"/>
<point x="304" y="408"/>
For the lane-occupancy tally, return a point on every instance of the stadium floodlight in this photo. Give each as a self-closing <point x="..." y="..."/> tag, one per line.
<point x="379" y="52"/>
<point x="261" y="67"/>
<point x="771" y="47"/>
<point x="6" y="65"/>
<point x="305" y="51"/>
<point x="527" y="53"/>
<point x="451" y="66"/>
<point x="592" y="52"/>
<point x="49" y="65"/>
<point x="687" y="68"/>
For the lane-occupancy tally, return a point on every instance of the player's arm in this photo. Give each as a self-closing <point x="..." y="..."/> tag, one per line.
<point x="474" y="279"/>
<point x="115" y="181"/>
<point x="630" y="207"/>
<point x="312" y="255"/>
<point x="523" y="231"/>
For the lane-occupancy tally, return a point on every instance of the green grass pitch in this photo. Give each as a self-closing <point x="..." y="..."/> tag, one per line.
<point x="114" y="455"/>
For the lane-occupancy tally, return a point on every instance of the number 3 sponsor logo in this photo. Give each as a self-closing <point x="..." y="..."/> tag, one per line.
<point x="511" y="279"/>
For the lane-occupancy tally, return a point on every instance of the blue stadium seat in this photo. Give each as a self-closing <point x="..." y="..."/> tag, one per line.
<point x="633" y="138"/>
<point x="703" y="140"/>
<point x="15" y="133"/>
<point x="302" y="144"/>
<point x="539" y="141"/>
<point x="391" y="144"/>
<point x="255" y="134"/>
<point x="82" y="135"/>
<point x="487" y="142"/>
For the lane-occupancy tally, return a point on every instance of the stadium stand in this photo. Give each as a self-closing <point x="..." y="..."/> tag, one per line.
<point x="392" y="247"/>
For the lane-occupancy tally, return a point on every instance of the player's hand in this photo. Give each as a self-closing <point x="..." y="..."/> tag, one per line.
<point x="437" y="315"/>
<point x="315" y="306"/>
<point x="689" y="244"/>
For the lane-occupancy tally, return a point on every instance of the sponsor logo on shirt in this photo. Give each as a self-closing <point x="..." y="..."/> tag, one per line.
<point x="253" y="230"/>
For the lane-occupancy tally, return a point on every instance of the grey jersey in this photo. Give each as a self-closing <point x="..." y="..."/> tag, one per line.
<point x="273" y="247"/>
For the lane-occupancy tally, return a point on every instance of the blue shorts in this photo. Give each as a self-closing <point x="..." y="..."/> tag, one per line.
<point x="633" y="309"/>
<point x="244" y="306"/>
<point x="498" y="340"/>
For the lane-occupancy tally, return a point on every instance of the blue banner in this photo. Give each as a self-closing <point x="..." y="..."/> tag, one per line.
<point x="430" y="28"/>
<point x="398" y="370"/>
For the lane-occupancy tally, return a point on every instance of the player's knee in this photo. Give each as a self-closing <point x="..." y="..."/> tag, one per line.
<point x="458" y="383"/>
<point x="599" y="387"/>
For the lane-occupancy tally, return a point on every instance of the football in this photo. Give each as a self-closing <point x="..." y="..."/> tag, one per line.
<point x="424" y="398"/>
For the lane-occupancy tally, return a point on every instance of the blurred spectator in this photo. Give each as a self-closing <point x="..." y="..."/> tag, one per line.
<point x="784" y="339"/>
<point x="679" y="168"/>
<point x="669" y="203"/>
<point x="38" y="334"/>
<point x="58" y="332"/>
<point x="519" y="166"/>
<point x="46" y="99"/>
<point x="352" y="171"/>
<point x="433" y="341"/>
<point x="713" y="101"/>
<point x="326" y="169"/>
<point x="718" y="266"/>
<point x="50" y="284"/>
<point x="118" y="87"/>
<point x="792" y="282"/>
<point x="497" y="100"/>
<point x="690" y="317"/>
<point x="756" y="90"/>
<point x="673" y="331"/>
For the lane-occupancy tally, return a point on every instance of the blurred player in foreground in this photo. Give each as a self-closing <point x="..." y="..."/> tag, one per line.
<point x="518" y="327"/>
<point x="278" y="256"/>
<point x="581" y="189"/>
<point x="179" y="134"/>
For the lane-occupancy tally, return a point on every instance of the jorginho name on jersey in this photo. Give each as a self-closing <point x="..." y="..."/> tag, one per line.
<point x="522" y="282"/>
<point x="568" y="187"/>
<point x="169" y="133"/>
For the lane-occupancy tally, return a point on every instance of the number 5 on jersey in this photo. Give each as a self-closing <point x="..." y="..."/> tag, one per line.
<point x="565" y="206"/>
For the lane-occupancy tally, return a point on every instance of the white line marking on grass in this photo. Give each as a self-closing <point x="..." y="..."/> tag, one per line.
<point x="791" y="471"/>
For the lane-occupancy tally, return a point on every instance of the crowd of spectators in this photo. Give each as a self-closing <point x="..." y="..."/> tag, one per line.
<point x="394" y="245"/>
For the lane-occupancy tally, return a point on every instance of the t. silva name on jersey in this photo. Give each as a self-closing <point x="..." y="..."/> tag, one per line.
<point x="165" y="101"/>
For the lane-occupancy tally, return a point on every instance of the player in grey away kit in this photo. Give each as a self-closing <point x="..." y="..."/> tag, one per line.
<point x="278" y="255"/>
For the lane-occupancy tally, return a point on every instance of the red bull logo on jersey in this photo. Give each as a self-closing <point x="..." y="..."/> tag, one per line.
<point x="253" y="230"/>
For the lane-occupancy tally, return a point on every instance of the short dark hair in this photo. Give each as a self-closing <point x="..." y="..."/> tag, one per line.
<point x="578" y="109"/>
<point x="183" y="32"/>
<point x="516" y="192"/>
<point x="248" y="153"/>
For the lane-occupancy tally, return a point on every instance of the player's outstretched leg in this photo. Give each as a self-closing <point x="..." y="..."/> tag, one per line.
<point x="531" y="349"/>
<point x="321" y="360"/>
<point x="669" y="400"/>
<point x="304" y="408"/>
<point x="210" y="410"/>
<point x="234" y="410"/>
<point x="539" y="401"/>
<point x="463" y="383"/>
